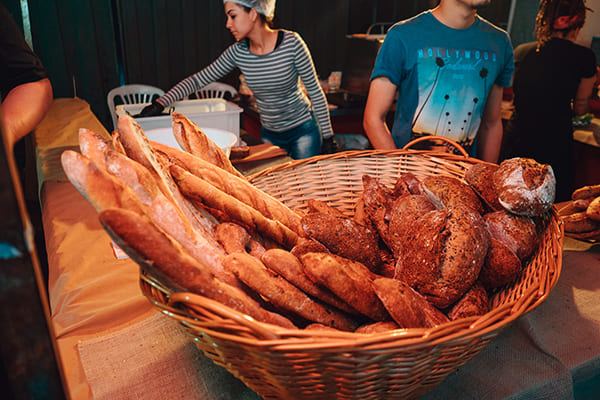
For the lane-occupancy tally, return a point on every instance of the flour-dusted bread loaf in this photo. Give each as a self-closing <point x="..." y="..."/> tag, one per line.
<point x="524" y="186"/>
<point x="445" y="254"/>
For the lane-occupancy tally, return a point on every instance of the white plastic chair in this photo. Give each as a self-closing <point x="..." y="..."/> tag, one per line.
<point x="130" y="94"/>
<point x="213" y="90"/>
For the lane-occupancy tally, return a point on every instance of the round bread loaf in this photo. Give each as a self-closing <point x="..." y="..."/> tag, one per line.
<point x="501" y="266"/>
<point x="445" y="254"/>
<point x="524" y="186"/>
<point x="448" y="191"/>
<point x="517" y="232"/>
<point x="479" y="176"/>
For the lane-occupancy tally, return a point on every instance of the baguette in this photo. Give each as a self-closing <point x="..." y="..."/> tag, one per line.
<point x="289" y="266"/>
<point x="202" y="192"/>
<point x="163" y="257"/>
<point x="282" y="294"/>
<point x="408" y="308"/>
<point x="138" y="148"/>
<point x="101" y="189"/>
<point x="332" y="272"/>
<point x="593" y="210"/>
<point x="191" y="138"/>
<point x="93" y="146"/>
<point x="586" y="192"/>
<point x="579" y="223"/>
<point x="248" y="194"/>
<point x="237" y="187"/>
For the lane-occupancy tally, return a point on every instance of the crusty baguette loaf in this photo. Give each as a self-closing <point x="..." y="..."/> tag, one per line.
<point x="93" y="146"/>
<point x="199" y="190"/>
<point x="406" y="306"/>
<point x="586" y="192"/>
<point x="194" y="141"/>
<point x="163" y="257"/>
<point x="235" y="239"/>
<point x="106" y="191"/>
<point x="593" y="209"/>
<point x="289" y="266"/>
<point x="100" y="188"/>
<point x="579" y="223"/>
<point x="237" y="187"/>
<point x="248" y="194"/>
<point x="138" y="148"/>
<point x="116" y="143"/>
<point x="133" y="174"/>
<point x="329" y="271"/>
<point x="282" y="294"/>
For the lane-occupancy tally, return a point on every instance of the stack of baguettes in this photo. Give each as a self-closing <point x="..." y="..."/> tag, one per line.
<point x="193" y="222"/>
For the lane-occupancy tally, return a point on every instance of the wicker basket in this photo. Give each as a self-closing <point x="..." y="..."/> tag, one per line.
<point x="280" y="363"/>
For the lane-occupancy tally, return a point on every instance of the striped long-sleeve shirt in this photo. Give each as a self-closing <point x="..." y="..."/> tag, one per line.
<point x="273" y="79"/>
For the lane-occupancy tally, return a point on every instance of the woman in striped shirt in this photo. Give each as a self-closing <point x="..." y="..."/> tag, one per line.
<point x="271" y="60"/>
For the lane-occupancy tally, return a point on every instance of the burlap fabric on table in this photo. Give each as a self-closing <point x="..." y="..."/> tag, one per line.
<point x="155" y="359"/>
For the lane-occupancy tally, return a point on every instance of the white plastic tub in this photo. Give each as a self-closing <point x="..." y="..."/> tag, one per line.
<point x="209" y="113"/>
<point x="224" y="139"/>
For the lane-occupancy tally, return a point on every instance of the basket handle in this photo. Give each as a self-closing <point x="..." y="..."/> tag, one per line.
<point x="436" y="138"/>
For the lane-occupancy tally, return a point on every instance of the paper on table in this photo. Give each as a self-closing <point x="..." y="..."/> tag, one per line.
<point x="155" y="359"/>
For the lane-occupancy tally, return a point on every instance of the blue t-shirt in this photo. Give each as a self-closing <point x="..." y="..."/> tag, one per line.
<point x="443" y="75"/>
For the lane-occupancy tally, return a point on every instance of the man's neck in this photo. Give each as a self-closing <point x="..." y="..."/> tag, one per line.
<point x="454" y="14"/>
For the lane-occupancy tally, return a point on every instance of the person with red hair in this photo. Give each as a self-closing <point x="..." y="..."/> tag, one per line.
<point x="553" y="82"/>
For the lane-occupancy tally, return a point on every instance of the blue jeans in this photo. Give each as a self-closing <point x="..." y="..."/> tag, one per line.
<point x="300" y="142"/>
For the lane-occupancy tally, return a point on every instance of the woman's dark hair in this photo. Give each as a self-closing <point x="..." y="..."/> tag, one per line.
<point x="561" y="16"/>
<point x="263" y="18"/>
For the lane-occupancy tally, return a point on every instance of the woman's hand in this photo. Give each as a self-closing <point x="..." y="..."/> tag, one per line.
<point x="152" y="110"/>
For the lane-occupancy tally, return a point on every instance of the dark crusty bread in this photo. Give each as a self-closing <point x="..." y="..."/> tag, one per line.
<point x="501" y="266"/>
<point x="445" y="254"/>
<point x="475" y="302"/>
<point x="447" y="191"/>
<point x="480" y="178"/>
<point x="344" y="237"/>
<point x="517" y="232"/>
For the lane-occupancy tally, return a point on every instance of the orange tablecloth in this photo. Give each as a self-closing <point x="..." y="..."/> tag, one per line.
<point x="114" y="345"/>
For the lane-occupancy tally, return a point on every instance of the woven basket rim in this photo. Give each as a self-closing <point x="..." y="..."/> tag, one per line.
<point x="259" y="334"/>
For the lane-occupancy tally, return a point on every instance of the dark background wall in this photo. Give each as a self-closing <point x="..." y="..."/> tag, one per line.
<point x="92" y="46"/>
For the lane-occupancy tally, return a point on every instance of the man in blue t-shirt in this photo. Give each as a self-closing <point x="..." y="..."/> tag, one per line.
<point x="448" y="67"/>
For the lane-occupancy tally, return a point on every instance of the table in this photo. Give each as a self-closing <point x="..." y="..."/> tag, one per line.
<point x="114" y="345"/>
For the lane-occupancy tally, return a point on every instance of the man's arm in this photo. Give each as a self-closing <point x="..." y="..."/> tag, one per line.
<point x="489" y="137"/>
<point x="381" y="98"/>
<point x="23" y="109"/>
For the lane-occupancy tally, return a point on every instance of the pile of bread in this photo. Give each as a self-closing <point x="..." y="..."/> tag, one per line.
<point x="581" y="215"/>
<point x="421" y="253"/>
